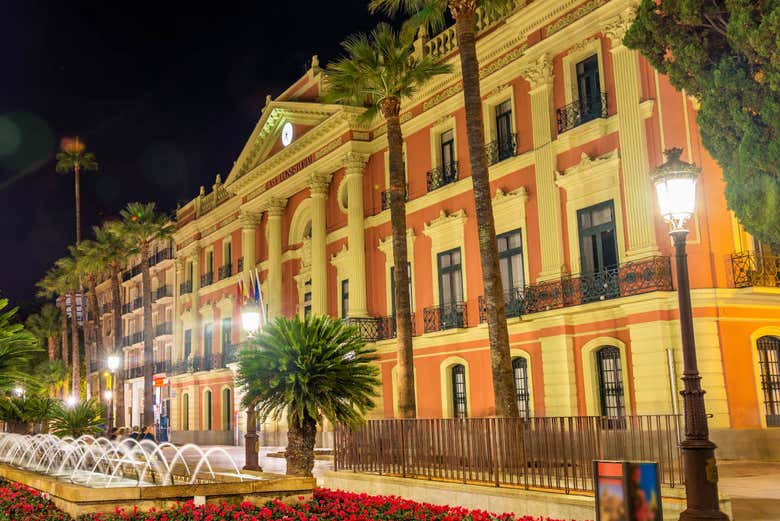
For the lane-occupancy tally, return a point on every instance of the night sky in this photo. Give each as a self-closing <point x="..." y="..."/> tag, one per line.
<point x="164" y="93"/>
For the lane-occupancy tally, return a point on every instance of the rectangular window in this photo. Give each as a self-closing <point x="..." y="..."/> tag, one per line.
<point x="228" y="260"/>
<point x="227" y="333"/>
<point x="598" y="252"/>
<point x="459" y="407"/>
<point x="208" y="342"/>
<point x="344" y="298"/>
<point x="187" y="343"/>
<point x="520" y="372"/>
<point x="210" y="262"/>
<point x="450" y="290"/>
<point x="189" y="272"/>
<point x="611" y="382"/>
<point x="504" y="123"/>
<point x="510" y="262"/>
<point x="589" y="89"/>
<point x="447" y="140"/>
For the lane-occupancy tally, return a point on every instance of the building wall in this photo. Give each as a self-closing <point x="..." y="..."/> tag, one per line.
<point x="553" y="173"/>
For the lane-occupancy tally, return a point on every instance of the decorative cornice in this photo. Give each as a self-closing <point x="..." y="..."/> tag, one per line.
<point x="386" y="245"/>
<point x="444" y="219"/>
<point x="502" y="197"/>
<point x="574" y="15"/>
<point x="586" y="165"/>
<point x="319" y="183"/>
<point x="617" y="28"/>
<point x="539" y="73"/>
<point x="501" y="62"/>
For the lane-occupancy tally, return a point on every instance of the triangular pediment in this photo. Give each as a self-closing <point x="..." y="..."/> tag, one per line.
<point x="265" y="140"/>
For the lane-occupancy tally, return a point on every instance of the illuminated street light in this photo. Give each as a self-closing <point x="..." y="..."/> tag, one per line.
<point x="250" y="318"/>
<point x="113" y="362"/>
<point x="107" y="395"/>
<point x="71" y="401"/>
<point x="19" y="391"/>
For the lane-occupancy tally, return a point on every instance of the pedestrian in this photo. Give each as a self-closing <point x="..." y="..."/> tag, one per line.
<point x="149" y="434"/>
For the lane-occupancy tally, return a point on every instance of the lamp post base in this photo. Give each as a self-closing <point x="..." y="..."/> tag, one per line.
<point x="701" y="491"/>
<point x="251" y="442"/>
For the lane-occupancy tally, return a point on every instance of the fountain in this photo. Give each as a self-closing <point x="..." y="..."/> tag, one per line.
<point x="89" y="474"/>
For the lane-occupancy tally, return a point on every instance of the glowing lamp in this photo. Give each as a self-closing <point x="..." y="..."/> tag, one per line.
<point x="250" y="318"/>
<point x="113" y="362"/>
<point x="675" y="186"/>
<point x="108" y="395"/>
<point x="71" y="401"/>
<point x="18" y="391"/>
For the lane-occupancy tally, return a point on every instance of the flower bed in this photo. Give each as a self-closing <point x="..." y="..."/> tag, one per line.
<point x="18" y="502"/>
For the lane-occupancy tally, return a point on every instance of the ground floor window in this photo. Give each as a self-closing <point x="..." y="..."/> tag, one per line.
<point x="458" y="373"/>
<point x="185" y="412"/>
<point x="227" y="410"/>
<point x="611" y="382"/>
<point x="769" y="364"/>
<point x="520" y="372"/>
<point x="207" y="410"/>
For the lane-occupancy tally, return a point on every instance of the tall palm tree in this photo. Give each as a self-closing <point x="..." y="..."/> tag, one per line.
<point x="55" y="285"/>
<point x="73" y="158"/>
<point x="377" y="73"/>
<point x="142" y="226"/>
<point x="92" y="268"/>
<point x="113" y="248"/>
<point x="306" y="369"/>
<point x="45" y="325"/>
<point x="70" y="275"/>
<point x="432" y="13"/>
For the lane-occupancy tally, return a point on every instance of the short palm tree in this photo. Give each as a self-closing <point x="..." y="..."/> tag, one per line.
<point x="74" y="158"/>
<point x="21" y="413"/>
<point x="113" y="248"/>
<point x="142" y="226"/>
<point x="54" y="285"/>
<point x="45" y="325"/>
<point x="378" y="72"/>
<point x="84" y="417"/>
<point x="432" y="14"/>
<point x="17" y="348"/>
<point x="70" y="274"/>
<point x="306" y="368"/>
<point x="51" y="375"/>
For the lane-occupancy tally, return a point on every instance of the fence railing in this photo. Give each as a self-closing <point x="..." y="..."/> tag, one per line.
<point x="445" y="316"/>
<point x="442" y="175"/>
<point x="755" y="269"/>
<point x="545" y="452"/>
<point x="500" y="149"/>
<point x="581" y="111"/>
<point x="386" y="198"/>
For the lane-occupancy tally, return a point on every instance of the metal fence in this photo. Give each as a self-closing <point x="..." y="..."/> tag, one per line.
<point x="546" y="452"/>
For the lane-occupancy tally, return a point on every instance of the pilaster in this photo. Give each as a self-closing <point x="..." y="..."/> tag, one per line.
<point x="539" y="74"/>
<point x="178" y="333"/>
<point x="196" y="329"/>
<point x="355" y="163"/>
<point x="560" y="384"/>
<point x="275" y="210"/>
<point x="633" y="142"/>
<point x="650" y="366"/>
<point x="318" y="185"/>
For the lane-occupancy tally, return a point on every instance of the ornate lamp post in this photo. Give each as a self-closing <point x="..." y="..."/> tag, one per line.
<point x="113" y="362"/>
<point x="675" y="184"/>
<point x="250" y="322"/>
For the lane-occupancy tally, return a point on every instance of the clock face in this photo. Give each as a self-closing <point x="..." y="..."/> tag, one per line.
<point x="287" y="133"/>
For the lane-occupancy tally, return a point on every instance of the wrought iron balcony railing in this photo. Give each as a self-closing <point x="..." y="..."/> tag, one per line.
<point x="239" y="265"/>
<point x="630" y="278"/>
<point x="755" y="269"/>
<point x="137" y="303"/>
<point x="197" y="364"/>
<point x="185" y="287"/>
<point x="94" y="366"/>
<point x="387" y="327"/>
<point x="161" y="255"/>
<point x="581" y="111"/>
<point x="442" y="175"/>
<point x="134" y="372"/>
<point x="162" y="292"/>
<point x="386" y="198"/>
<point x="127" y="341"/>
<point x="137" y="338"/>
<point x="165" y="328"/>
<point x="445" y="316"/>
<point x="500" y="149"/>
<point x="373" y="329"/>
<point x="230" y="354"/>
<point x="226" y="271"/>
<point x="207" y="279"/>
<point x="127" y="307"/>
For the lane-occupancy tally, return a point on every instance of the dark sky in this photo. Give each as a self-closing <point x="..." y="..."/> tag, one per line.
<point x="164" y="93"/>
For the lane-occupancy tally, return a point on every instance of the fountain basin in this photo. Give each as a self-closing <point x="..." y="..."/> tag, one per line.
<point x="76" y="499"/>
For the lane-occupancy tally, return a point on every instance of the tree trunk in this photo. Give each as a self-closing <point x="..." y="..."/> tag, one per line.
<point x="76" y="346"/>
<point x="300" y="446"/>
<point x="500" y="358"/>
<point x="146" y="279"/>
<point x="119" y="384"/>
<point x="76" y="172"/>
<point x="391" y="109"/>
<point x="97" y="331"/>
<point x="52" y="347"/>
<point x="65" y="345"/>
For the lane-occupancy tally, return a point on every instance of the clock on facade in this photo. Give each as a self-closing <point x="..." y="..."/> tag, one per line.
<point x="287" y="133"/>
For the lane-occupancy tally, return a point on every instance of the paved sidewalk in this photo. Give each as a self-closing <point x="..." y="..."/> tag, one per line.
<point x="754" y="486"/>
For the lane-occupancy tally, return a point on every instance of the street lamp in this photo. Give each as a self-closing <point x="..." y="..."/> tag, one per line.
<point x="675" y="185"/>
<point x="71" y="401"/>
<point x="250" y="322"/>
<point x="113" y="362"/>
<point x="19" y="391"/>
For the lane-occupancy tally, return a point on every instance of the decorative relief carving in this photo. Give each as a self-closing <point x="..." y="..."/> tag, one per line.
<point x="574" y="15"/>
<point x="249" y="219"/>
<point x="616" y="29"/>
<point x="443" y="95"/>
<point x="501" y="62"/>
<point x="327" y="149"/>
<point x="319" y="183"/>
<point x="444" y="219"/>
<point x="306" y="253"/>
<point x="275" y="206"/>
<point x="579" y="46"/>
<point x="587" y="163"/>
<point x="539" y="73"/>
<point x="502" y="197"/>
<point x="355" y="162"/>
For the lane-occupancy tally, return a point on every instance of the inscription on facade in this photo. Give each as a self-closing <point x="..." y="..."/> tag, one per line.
<point x="297" y="167"/>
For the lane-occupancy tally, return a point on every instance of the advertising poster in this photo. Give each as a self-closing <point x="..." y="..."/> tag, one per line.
<point x="610" y="491"/>
<point x="627" y="491"/>
<point x="644" y="491"/>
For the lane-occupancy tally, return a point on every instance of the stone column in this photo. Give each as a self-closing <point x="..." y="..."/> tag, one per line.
<point x="633" y="143"/>
<point x="178" y="334"/>
<point x="196" y="332"/>
<point x="355" y="164"/>
<point x="275" y="210"/>
<point x="249" y="222"/>
<point x="318" y="184"/>
<point x="539" y="75"/>
<point x="560" y="379"/>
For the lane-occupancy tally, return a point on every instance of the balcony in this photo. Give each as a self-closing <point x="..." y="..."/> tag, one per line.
<point x="138" y="303"/>
<point x="127" y="341"/>
<point x="137" y="338"/>
<point x="446" y="316"/>
<point x="239" y="265"/>
<point x="442" y="175"/>
<point x="386" y="198"/>
<point x="387" y="327"/>
<point x="185" y="287"/>
<point x="207" y="279"/>
<point x="230" y="354"/>
<point x="226" y="271"/>
<point x="205" y="363"/>
<point x="163" y="292"/>
<point x="161" y="255"/>
<point x="130" y="273"/>
<point x="166" y="328"/>
<point x="134" y="372"/>
<point x="630" y="278"/>
<point x="497" y="151"/>
<point x="755" y="269"/>
<point x="94" y="366"/>
<point x="581" y="111"/>
<point x="127" y="308"/>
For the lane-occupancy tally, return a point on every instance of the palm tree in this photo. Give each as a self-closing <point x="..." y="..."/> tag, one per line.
<point x="113" y="248"/>
<point x="72" y="157"/>
<point x="55" y="285"/>
<point x="142" y="226"/>
<point x="308" y="368"/>
<point x="17" y="348"/>
<point x="45" y="325"/>
<point x="432" y="13"/>
<point x="70" y="275"/>
<point x="51" y="375"/>
<point x="377" y="73"/>
<point x="82" y="418"/>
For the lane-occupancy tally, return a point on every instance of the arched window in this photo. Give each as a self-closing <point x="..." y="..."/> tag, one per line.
<point x="459" y="409"/>
<point x="227" y="409"/>
<point x="520" y="372"/>
<point x="207" y="410"/>
<point x="769" y="364"/>
<point x="610" y="382"/>
<point x="185" y="412"/>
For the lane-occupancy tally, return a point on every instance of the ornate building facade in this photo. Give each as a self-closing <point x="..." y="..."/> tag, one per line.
<point x="574" y="122"/>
